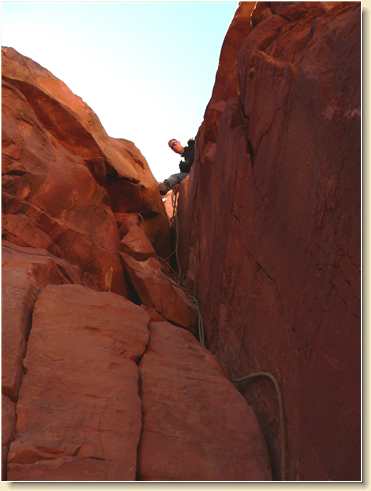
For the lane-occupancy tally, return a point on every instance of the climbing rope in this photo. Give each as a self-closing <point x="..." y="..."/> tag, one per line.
<point x="174" y="221"/>
<point x="200" y="322"/>
<point x="201" y="336"/>
<point x="174" y="202"/>
<point x="283" y="440"/>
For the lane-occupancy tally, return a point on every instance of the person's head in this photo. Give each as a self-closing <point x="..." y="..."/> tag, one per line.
<point x="176" y="146"/>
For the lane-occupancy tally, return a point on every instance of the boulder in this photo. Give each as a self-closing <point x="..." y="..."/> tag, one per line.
<point x="197" y="426"/>
<point x="134" y="241"/>
<point x="156" y="289"/>
<point x="25" y="272"/>
<point x="79" y="413"/>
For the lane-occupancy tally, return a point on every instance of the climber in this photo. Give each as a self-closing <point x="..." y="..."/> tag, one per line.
<point x="185" y="165"/>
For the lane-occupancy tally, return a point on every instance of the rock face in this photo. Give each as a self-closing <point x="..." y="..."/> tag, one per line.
<point x="90" y="359"/>
<point x="157" y="290"/>
<point x="78" y="413"/>
<point x="181" y="382"/>
<point x="103" y="377"/>
<point x="25" y="272"/>
<point x="64" y="177"/>
<point x="270" y="225"/>
<point x="86" y="411"/>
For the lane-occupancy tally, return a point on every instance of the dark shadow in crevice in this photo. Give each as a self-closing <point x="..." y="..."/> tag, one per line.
<point x="132" y="293"/>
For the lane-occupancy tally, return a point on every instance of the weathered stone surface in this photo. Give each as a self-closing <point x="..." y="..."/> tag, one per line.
<point x="18" y="296"/>
<point x="127" y="220"/>
<point x="7" y="430"/>
<point x="51" y="200"/>
<point x="25" y="271"/>
<point x="269" y="241"/>
<point x="8" y="419"/>
<point x="78" y="413"/>
<point x="153" y="314"/>
<point x="63" y="176"/>
<point x="226" y="81"/>
<point x="196" y="424"/>
<point x="261" y="11"/>
<point x="168" y="203"/>
<point x="72" y="121"/>
<point x="296" y="10"/>
<point x="158" y="290"/>
<point x="270" y="235"/>
<point x="45" y="267"/>
<point x="134" y="240"/>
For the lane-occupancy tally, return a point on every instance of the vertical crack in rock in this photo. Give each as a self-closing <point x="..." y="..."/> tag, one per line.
<point x="245" y="125"/>
<point x="69" y="419"/>
<point x="13" y="395"/>
<point x="133" y="295"/>
<point x="140" y="395"/>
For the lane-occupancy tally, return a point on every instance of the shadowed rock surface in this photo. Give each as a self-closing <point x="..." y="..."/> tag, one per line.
<point x="270" y="225"/>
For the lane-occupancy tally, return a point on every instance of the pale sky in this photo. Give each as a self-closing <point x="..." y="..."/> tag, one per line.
<point x="145" y="68"/>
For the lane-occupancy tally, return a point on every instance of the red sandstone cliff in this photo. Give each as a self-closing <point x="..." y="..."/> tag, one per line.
<point x="102" y="376"/>
<point x="270" y="225"/>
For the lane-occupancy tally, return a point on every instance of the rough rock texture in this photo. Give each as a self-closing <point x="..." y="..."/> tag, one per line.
<point x="159" y="291"/>
<point x="270" y="234"/>
<point x="7" y="431"/>
<point x="85" y="227"/>
<point x="134" y="239"/>
<point x="64" y="176"/>
<point x="196" y="426"/>
<point x="226" y="80"/>
<point x="25" y="271"/>
<point x="79" y="413"/>
<point x="86" y="411"/>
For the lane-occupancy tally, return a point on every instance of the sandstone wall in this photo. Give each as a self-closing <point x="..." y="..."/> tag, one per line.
<point x="270" y="225"/>
<point x="103" y="378"/>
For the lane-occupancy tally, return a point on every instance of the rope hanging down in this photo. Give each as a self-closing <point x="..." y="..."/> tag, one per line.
<point x="174" y="202"/>
<point x="174" y="222"/>
<point x="201" y="335"/>
<point x="250" y="377"/>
